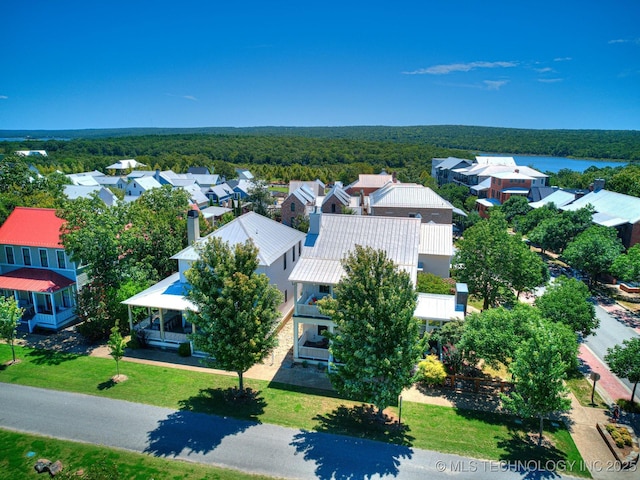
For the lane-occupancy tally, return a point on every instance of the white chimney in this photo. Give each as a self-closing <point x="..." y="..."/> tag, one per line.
<point x="315" y="219"/>
<point x="193" y="226"/>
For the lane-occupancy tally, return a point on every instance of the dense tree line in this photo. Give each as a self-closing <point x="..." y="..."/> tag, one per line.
<point x="610" y="144"/>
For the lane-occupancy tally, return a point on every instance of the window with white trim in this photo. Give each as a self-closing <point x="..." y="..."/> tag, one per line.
<point x="26" y="256"/>
<point x="44" y="260"/>
<point x="9" y="253"/>
<point x="62" y="263"/>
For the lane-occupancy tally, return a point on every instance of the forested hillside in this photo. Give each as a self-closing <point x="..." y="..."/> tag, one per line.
<point x="604" y="144"/>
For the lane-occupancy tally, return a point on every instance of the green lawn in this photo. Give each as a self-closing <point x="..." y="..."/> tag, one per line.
<point x="582" y="389"/>
<point x="21" y="451"/>
<point x="465" y="432"/>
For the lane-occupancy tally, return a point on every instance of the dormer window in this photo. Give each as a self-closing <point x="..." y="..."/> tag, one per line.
<point x="26" y="256"/>
<point x="10" y="258"/>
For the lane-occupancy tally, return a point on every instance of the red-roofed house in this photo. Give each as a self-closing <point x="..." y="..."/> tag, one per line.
<point x="35" y="270"/>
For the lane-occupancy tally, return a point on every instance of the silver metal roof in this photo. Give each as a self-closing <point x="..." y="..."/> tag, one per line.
<point x="169" y="293"/>
<point x="436" y="239"/>
<point x="611" y="203"/>
<point x="271" y="238"/>
<point x="339" y="234"/>
<point x="407" y="195"/>
<point x="432" y="306"/>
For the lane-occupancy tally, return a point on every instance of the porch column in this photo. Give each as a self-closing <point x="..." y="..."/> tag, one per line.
<point x="35" y="303"/>
<point x="295" y="298"/>
<point x="53" y="309"/>
<point x="295" y="338"/>
<point x="130" y="318"/>
<point x="330" y="360"/>
<point x="161" y="315"/>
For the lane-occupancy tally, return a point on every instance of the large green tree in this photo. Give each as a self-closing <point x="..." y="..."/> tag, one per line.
<point x="493" y="262"/>
<point x="624" y="361"/>
<point x="494" y="335"/>
<point x="594" y="251"/>
<point x="566" y="300"/>
<point x="10" y="315"/>
<point x="129" y="244"/>
<point x="376" y="340"/>
<point x="539" y="372"/>
<point x="627" y="266"/>
<point x="237" y="308"/>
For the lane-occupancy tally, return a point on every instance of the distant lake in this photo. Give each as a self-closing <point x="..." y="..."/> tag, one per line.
<point x="554" y="164"/>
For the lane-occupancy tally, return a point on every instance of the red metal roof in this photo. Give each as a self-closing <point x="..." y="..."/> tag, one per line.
<point x="34" y="280"/>
<point x="33" y="227"/>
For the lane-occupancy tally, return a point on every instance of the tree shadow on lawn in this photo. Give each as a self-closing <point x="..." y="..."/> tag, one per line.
<point x="338" y="455"/>
<point x="40" y="356"/>
<point x="204" y="420"/>
<point x="523" y="455"/>
<point x="520" y="444"/>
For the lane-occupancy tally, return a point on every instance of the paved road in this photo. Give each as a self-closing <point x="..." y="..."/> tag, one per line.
<point x="256" y="448"/>
<point x="611" y="332"/>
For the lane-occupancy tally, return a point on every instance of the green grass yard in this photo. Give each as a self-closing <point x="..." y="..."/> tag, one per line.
<point x="21" y="451"/>
<point x="465" y="432"/>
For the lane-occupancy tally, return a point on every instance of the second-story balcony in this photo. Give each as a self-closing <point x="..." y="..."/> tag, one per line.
<point x="306" y="306"/>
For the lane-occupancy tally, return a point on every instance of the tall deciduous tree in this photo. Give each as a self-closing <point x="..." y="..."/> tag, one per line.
<point x="10" y="315"/>
<point x="539" y="371"/>
<point x="492" y="262"/>
<point x="594" y="251"/>
<point x="624" y="361"/>
<point x="627" y="266"/>
<point x="237" y="312"/>
<point x="260" y="198"/>
<point x="566" y="300"/>
<point x="376" y="341"/>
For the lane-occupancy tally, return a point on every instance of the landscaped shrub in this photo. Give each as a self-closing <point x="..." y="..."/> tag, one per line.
<point x="620" y="436"/>
<point x="184" y="349"/>
<point x="431" y="371"/>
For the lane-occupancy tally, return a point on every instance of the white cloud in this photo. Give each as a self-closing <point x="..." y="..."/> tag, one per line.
<point x="459" y="67"/>
<point x="550" y="80"/>
<point x="3" y="97"/>
<point x="186" y="97"/>
<point x="495" y="84"/>
<point x="562" y="59"/>
<point x="623" y="40"/>
<point x="544" y="70"/>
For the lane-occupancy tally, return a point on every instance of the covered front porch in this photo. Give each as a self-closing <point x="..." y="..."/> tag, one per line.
<point x="164" y="325"/>
<point x="46" y="297"/>
<point x="309" y="343"/>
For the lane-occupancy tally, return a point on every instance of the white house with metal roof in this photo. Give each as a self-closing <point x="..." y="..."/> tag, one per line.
<point x="279" y="249"/>
<point x="613" y="209"/>
<point x="330" y="239"/>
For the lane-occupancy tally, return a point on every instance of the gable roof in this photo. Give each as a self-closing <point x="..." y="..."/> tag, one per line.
<point x="322" y="255"/>
<point x="559" y="198"/>
<point x="485" y="160"/>
<point x="316" y="186"/>
<point x="366" y="180"/>
<point x="304" y="195"/>
<point x="407" y="195"/>
<point x="451" y="162"/>
<point x="436" y="239"/>
<point x="147" y="183"/>
<point x="617" y="205"/>
<point x="125" y="164"/>
<point x="338" y="192"/>
<point x="32" y="227"/>
<point x="272" y="238"/>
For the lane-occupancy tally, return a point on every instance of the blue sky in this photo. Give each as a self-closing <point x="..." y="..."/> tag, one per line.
<point x="137" y="63"/>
